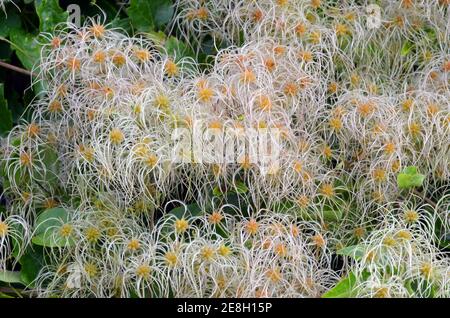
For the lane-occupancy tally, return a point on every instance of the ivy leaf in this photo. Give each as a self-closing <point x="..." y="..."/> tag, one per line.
<point x="5" y="114"/>
<point x="10" y="277"/>
<point x="410" y="178"/>
<point x="147" y="15"/>
<point x="50" y="14"/>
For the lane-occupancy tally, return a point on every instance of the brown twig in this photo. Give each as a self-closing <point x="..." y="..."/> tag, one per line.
<point x="16" y="69"/>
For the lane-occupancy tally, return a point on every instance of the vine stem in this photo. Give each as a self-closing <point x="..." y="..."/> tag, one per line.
<point x="16" y="68"/>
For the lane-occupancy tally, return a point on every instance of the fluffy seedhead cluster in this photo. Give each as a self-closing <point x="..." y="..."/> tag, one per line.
<point x="213" y="255"/>
<point x="351" y="101"/>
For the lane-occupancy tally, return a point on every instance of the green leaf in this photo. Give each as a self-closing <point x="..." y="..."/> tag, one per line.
<point x="403" y="181"/>
<point x="10" y="277"/>
<point x="110" y="8"/>
<point x="217" y="192"/>
<point x="5" y="50"/>
<point x="283" y="206"/>
<point x="158" y="37"/>
<point x="355" y="251"/>
<point x="12" y="21"/>
<point x="5" y="114"/>
<point x="164" y="13"/>
<point x="26" y="47"/>
<point x="235" y="200"/>
<point x="410" y="178"/>
<point x="140" y="13"/>
<point x="444" y="243"/>
<point x="47" y="230"/>
<point x="417" y="180"/>
<point x="343" y="289"/>
<point x="52" y="239"/>
<point x="146" y="15"/>
<point x="50" y="14"/>
<point x="332" y="215"/>
<point x="421" y="288"/>
<point x="406" y="48"/>
<point x="124" y="24"/>
<point x="177" y="48"/>
<point x="16" y="142"/>
<point x="240" y="187"/>
<point x="346" y="287"/>
<point x="17" y="240"/>
<point x="50" y="160"/>
<point x="410" y="170"/>
<point x="32" y="262"/>
<point x="51" y="218"/>
<point x="190" y="210"/>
